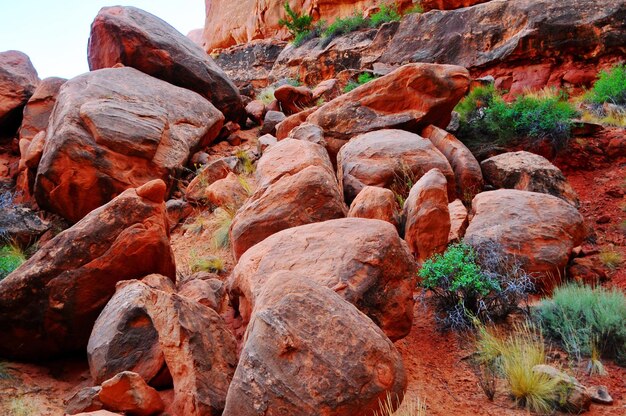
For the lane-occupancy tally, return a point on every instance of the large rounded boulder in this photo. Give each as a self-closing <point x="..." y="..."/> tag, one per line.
<point x="389" y="159"/>
<point x="18" y="80"/>
<point x="363" y="260"/>
<point x="411" y="97"/>
<point x="115" y="129"/>
<point x="309" y="352"/>
<point x="540" y="230"/>
<point x="135" y="38"/>
<point x="49" y="304"/>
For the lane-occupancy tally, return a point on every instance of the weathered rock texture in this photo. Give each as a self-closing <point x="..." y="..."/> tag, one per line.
<point x="133" y="37"/>
<point x="409" y="98"/>
<point x="142" y="328"/>
<point x="128" y="392"/>
<point x="299" y="355"/>
<point x="390" y="159"/>
<point x="296" y="186"/>
<point x="49" y="304"/>
<point x="377" y="204"/>
<point x="467" y="173"/>
<point x="18" y="80"/>
<point x="39" y="106"/>
<point x="115" y="129"/>
<point x="528" y="172"/>
<point x="540" y="230"/>
<point x="427" y="219"/>
<point x="363" y="260"/>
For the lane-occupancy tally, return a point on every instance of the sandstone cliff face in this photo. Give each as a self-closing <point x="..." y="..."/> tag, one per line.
<point x="226" y="25"/>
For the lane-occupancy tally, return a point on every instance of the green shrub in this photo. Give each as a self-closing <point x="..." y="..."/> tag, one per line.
<point x="416" y="8"/>
<point x="386" y="13"/>
<point x="610" y="87"/>
<point x="342" y="26"/>
<point x="477" y="282"/>
<point x="11" y="257"/>
<point x="296" y="23"/>
<point x="582" y="318"/>
<point x="487" y="121"/>
<point x="363" y="78"/>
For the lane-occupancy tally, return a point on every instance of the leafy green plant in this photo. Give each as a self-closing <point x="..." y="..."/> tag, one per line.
<point x="610" y="87"/>
<point x="341" y="26"/>
<point x="513" y="358"/>
<point x="482" y="282"/>
<point x="487" y="121"/>
<point x="362" y="79"/>
<point x="386" y="13"/>
<point x="296" y="23"/>
<point x="582" y="318"/>
<point x="11" y="257"/>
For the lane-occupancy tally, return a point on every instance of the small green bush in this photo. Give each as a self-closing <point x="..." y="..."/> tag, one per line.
<point x="342" y="26"/>
<point x="487" y="121"/>
<point x="471" y="282"/>
<point x="386" y="13"/>
<point x="296" y="23"/>
<point x="11" y="257"/>
<point x="363" y="78"/>
<point x="416" y="8"/>
<point x="582" y="318"/>
<point x="610" y="87"/>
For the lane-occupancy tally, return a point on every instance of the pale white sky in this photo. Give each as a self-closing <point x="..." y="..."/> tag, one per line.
<point x="54" y="33"/>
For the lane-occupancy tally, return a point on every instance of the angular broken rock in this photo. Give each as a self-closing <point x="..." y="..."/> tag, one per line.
<point x="299" y="355"/>
<point x="363" y="260"/>
<point x="426" y="215"/>
<point x="390" y="159"/>
<point x="411" y="97"/>
<point x="571" y="395"/>
<point x="458" y="221"/>
<point x="540" y="230"/>
<point x="138" y="39"/>
<point x="114" y="129"/>
<point x="143" y="329"/>
<point x="528" y="172"/>
<point x="50" y="303"/>
<point x="128" y="392"/>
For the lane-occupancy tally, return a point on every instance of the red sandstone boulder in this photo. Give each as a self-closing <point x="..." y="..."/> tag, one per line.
<point x="227" y="193"/>
<point x="284" y="128"/>
<point x="427" y="219"/>
<point x="390" y="159"/>
<point x="528" y="172"/>
<point x="18" y="80"/>
<point x="363" y="260"/>
<point x="293" y="99"/>
<point x="127" y="392"/>
<point x="256" y="111"/>
<point x="377" y="204"/>
<point x="39" y="107"/>
<point x="135" y="38"/>
<point x="448" y="4"/>
<point x="115" y="129"/>
<point x="308" y="132"/>
<point x="212" y="172"/>
<point x="458" y="221"/>
<point x="142" y="327"/>
<point x="410" y="98"/>
<point x="271" y="120"/>
<point x="467" y="173"/>
<point x="327" y="90"/>
<point x="49" y="304"/>
<point x="310" y="195"/>
<point x="540" y="230"/>
<point x="299" y="356"/>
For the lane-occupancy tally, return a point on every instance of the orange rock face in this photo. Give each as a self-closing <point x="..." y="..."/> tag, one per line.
<point x="18" y="80"/>
<point x="128" y="392"/>
<point x="299" y="356"/>
<point x="409" y="98"/>
<point x="226" y="25"/>
<point x="49" y="304"/>
<point x="39" y="106"/>
<point x="363" y="260"/>
<point x="114" y="129"/>
<point x="448" y="4"/>
<point x="377" y="204"/>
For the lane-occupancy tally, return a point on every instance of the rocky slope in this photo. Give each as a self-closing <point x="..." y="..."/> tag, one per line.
<point x="194" y="251"/>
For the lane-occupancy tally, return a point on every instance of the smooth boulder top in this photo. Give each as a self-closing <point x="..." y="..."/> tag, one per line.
<point x="136" y="38"/>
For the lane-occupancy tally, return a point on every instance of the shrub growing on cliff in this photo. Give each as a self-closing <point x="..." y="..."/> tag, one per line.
<point x="297" y="24"/>
<point x="582" y="318"/>
<point x="610" y="87"/>
<point x="487" y="121"/>
<point x="342" y="26"/>
<point x="386" y="13"/>
<point x="481" y="282"/>
<point x="363" y="78"/>
<point x="11" y="257"/>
